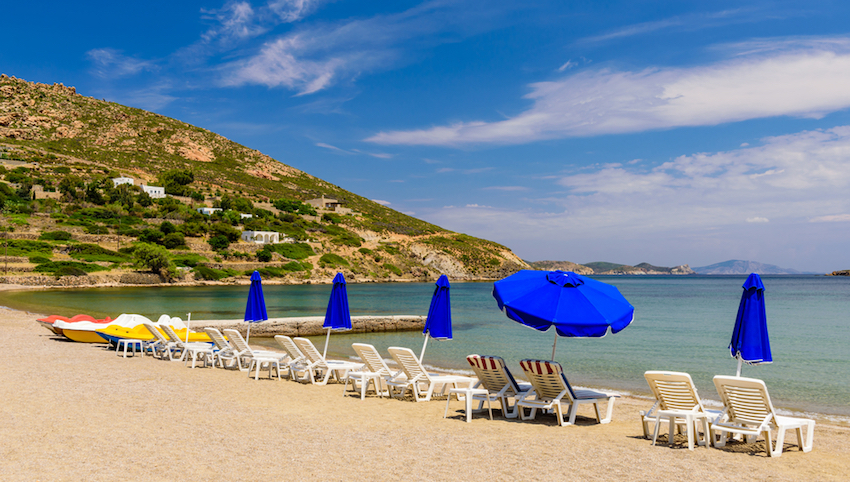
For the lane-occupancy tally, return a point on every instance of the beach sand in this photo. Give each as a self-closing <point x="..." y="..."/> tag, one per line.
<point x="73" y="411"/>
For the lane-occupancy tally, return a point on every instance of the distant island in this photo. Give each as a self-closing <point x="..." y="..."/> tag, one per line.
<point x="737" y="266"/>
<point x="606" y="268"/>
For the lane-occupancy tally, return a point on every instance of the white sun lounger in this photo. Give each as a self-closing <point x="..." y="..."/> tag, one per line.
<point x="161" y="346"/>
<point x="193" y="350"/>
<point x="747" y="410"/>
<point x="494" y="376"/>
<point x="297" y="361"/>
<point x="419" y="381"/>
<point x="254" y="358"/>
<point x="223" y="350"/>
<point x="551" y="390"/>
<point x="317" y="368"/>
<point x="375" y="372"/>
<point x="678" y="404"/>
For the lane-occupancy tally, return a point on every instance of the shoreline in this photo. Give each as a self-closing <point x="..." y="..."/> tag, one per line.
<point x="78" y="396"/>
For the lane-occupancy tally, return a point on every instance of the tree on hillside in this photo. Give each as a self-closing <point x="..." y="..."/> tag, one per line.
<point x="153" y="257"/>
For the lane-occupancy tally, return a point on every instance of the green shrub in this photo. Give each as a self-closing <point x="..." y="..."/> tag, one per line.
<point x="207" y="273"/>
<point x="331" y="260"/>
<point x="55" y="236"/>
<point x="167" y="228"/>
<point x="331" y="218"/>
<point x="293" y="266"/>
<point x="39" y="259"/>
<point x="392" y="269"/>
<point x="173" y="240"/>
<point x="54" y="266"/>
<point x="93" y="252"/>
<point x="264" y="256"/>
<point x="151" y="236"/>
<point x="293" y="250"/>
<point x="222" y="229"/>
<point x="189" y="260"/>
<point x="218" y="242"/>
<point x="365" y="251"/>
<point x="24" y="247"/>
<point x="390" y="249"/>
<point x="69" y="271"/>
<point x="97" y="229"/>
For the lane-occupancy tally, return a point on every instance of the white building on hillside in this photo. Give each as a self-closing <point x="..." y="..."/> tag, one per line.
<point x="208" y="211"/>
<point x="117" y="181"/>
<point x="261" y="237"/>
<point x="154" y="192"/>
<point x="245" y="216"/>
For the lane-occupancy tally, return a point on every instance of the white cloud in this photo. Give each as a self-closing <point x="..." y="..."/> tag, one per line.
<point x="111" y="63"/>
<point x="831" y="218"/>
<point x="328" y="146"/>
<point x="382" y="203"/>
<point x="237" y="20"/>
<point x="568" y="65"/>
<point x="315" y="57"/>
<point x="804" y="79"/>
<point x="699" y="208"/>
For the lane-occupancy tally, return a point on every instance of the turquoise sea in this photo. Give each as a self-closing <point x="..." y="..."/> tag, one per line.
<point x="682" y="323"/>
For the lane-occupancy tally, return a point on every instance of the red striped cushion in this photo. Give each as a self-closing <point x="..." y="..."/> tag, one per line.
<point x="485" y="362"/>
<point x="541" y="367"/>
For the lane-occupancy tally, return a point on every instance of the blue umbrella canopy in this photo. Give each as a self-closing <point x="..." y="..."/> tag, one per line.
<point x="337" y="317"/>
<point x="439" y="322"/>
<point x="255" y="310"/>
<point x="750" y="342"/>
<point x="575" y="305"/>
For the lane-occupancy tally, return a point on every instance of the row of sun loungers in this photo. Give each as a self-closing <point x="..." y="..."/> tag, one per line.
<point x="747" y="409"/>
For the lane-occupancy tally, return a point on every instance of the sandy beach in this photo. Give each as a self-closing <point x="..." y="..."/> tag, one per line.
<point x="74" y="411"/>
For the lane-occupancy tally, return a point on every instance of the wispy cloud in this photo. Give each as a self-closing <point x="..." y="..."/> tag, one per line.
<point x="239" y="20"/>
<point x="111" y="63"/>
<point x="803" y="79"/>
<point x="313" y="58"/>
<point x="379" y="155"/>
<point x="691" y="22"/>
<point x="382" y="203"/>
<point x="328" y="146"/>
<point x="710" y="202"/>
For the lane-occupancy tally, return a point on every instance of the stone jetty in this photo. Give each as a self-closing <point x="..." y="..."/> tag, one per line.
<point x="312" y="325"/>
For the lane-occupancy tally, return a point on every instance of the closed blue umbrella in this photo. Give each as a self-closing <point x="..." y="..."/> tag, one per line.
<point x="575" y="305"/>
<point x="337" y="317"/>
<point x="750" y="343"/>
<point x="255" y="310"/>
<point x="438" y="325"/>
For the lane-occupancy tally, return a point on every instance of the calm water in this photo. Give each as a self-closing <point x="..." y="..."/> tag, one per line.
<point x="681" y="323"/>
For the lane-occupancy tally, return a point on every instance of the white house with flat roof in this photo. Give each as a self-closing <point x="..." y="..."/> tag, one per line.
<point x="117" y="181"/>
<point x="155" y="192"/>
<point x="245" y="216"/>
<point x="261" y="237"/>
<point x="208" y="211"/>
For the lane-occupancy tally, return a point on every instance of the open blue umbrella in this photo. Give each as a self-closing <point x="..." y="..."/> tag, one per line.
<point x="255" y="310"/>
<point x="337" y="317"/>
<point x="575" y="305"/>
<point x="438" y="325"/>
<point x="750" y="343"/>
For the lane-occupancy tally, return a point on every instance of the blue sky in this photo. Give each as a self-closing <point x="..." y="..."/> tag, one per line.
<point x="660" y="132"/>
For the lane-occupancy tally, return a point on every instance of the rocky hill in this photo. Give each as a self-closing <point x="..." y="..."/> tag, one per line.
<point x="69" y="147"/>
<point x="606" y="268"/>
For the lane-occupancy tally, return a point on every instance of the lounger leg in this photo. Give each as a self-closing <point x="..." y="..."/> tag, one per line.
<point x="689" y="422"/>
<point x="776" y="449"/>
<point x="657" y="427"/>
<point x="672" y="431"/>
<point x="806" y="443"/>
<point x="609" y="412"/>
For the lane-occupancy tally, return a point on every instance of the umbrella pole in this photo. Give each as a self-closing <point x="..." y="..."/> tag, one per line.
<point x="554" y="344"/>
<point x="328" y="339"/>
<point x="738" y="374"/>
<point x="248" y="336"/>
<point x="188" y="323"/>
<point x="427" y="335"/>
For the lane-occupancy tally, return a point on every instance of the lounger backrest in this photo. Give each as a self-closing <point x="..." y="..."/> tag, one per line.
<point x="493" y="373"/>
<point x="746" y="399"/>
<point x="237" y="341"/>
<point x="156" y="334"/>
<point x="674" y="390"/>
<point x="371" y="358"/>
<point x="289" y="347"/>
<point x="547" y="378"/>
<point x="408" y="363"/>
<point x="217" y="338"/>
<point x="171" y="334"/>
<point x="309" y="350"/>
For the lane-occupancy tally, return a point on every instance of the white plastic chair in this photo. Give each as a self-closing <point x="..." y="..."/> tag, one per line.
<point x="551" y="390"/>
<point x="678" y="404"/>
<point x="318" y="368"/>
<point x="223" y="350"/>
<point x="417" y="379"/>
<point x="493" y="375"/>
<point x="747" y="410"/>
<point x="375" y="372"/>
<point x="193" y="350"/>
<point x="255" y="358"/>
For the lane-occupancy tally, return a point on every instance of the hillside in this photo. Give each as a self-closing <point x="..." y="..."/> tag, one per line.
<point x="72" y="146"/>
<point x="606" y="268"/>
<point x="737" y="266"/>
